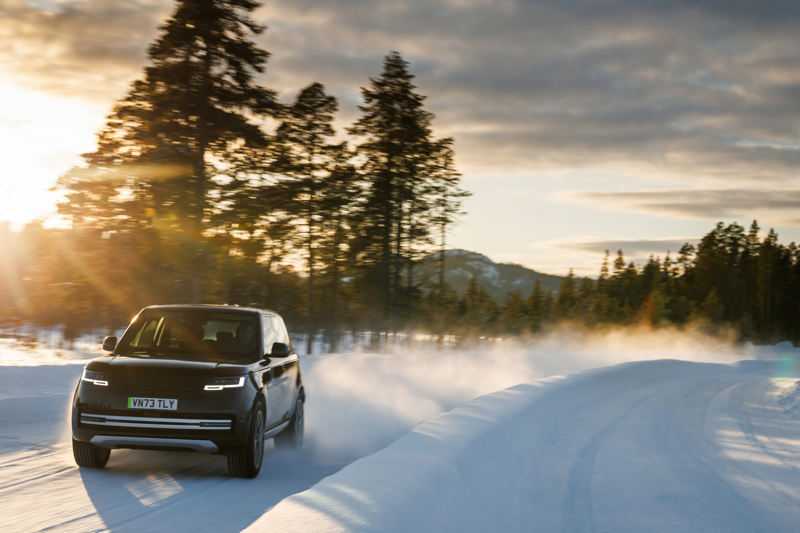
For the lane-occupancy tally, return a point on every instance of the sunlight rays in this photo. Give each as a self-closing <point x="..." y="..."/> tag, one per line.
<point x="40" y="137"/>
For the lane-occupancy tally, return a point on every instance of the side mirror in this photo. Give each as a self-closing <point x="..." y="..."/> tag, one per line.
<point x="109" y="343"/>
<point x="280" y="349"/>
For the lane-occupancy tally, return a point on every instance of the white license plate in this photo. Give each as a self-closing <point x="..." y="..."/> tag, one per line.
<point x="153" y="403"/>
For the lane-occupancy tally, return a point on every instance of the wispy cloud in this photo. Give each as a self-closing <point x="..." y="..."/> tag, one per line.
<point x="637" y="247"/>
<point x="715" y="204"/>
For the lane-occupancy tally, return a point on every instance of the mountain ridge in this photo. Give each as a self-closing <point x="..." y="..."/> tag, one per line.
<point x="498" y="279"/>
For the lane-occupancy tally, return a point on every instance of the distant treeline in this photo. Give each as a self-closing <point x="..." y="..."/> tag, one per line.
<point x="731" y="280"/>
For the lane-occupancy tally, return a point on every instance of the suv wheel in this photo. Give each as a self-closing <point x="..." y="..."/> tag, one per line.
<point x="89" y="455"/>
<point x="246" y="462"/>
<point x="292" y="436"/>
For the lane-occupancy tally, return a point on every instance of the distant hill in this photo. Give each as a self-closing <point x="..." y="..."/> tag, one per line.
<point x="498" y="279"/>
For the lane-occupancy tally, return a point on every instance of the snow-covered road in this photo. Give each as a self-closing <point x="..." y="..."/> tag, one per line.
<point x="663" y="445"/>
<point x="666" y="446"/>
<point x="657" y="448"/>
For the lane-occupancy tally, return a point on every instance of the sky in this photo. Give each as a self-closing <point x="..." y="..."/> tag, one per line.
<point x="579" y="125"/>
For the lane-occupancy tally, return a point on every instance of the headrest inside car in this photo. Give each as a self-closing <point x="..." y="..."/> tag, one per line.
<point x="224" y="336"/>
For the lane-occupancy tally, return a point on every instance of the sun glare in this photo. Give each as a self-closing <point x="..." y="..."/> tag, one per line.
<point x="41" y="137"/>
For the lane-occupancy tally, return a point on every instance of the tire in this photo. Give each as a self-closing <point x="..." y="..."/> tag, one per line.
<point x="246" y="462"/>
<point x="292" y="436"/>
<point x="89" y="455"/>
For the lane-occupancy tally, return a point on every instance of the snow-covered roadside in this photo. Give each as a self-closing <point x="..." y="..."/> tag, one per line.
<point x="35" y="403"/>
<point x="13" y="353"/>
<point x="442" y="476"/>
<point x="470" y="469"/>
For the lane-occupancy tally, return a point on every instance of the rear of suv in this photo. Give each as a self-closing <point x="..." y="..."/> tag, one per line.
<point x="214" y="379"/>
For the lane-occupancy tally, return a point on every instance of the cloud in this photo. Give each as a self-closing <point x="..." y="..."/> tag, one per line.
<point x="686" y="90"/>
<point x="713" y="204"/>
<point x="637" y="247"/>
<point x="700" y="91"/>
<point x="89" y="49"/>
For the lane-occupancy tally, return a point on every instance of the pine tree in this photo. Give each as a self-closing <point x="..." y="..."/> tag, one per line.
<point x="179" y="128"/>
<point x="567" y="298"/>
<point x="480" y="311"/>
<point x="402" y="165"/>
<point x="602" y="289"/>
<point x="749" y="270"/>
<point x="766" y="281"/>
<point x="306" y="162"/>
<point x="536" y="307"/>
<point x="515" y="314"/>
<point x="619" y="263"/>
<point x="339" y="229"/>
<point x="686" y="258"/>
<point x="585" y="301"/>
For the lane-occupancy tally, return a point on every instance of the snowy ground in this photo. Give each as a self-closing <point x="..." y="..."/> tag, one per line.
<point x="397" y="443"/>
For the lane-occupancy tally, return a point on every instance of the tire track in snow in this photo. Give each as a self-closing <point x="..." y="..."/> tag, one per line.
<point x="45" y="492"/>
<point x="740" y="395"/>
<point x="578" y="513"/>
<point x="717" y="505"/>
<point x="750" y="408"/>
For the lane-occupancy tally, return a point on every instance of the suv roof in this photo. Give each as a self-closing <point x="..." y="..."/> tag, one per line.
<point x="214" y="306"/>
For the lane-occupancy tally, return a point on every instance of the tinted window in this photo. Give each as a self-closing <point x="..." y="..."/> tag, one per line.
<point x="268" y="333"/>
<point x="280" y="330"/>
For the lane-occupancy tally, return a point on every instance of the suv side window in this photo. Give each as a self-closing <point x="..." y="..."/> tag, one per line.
<point x="280" y="328"/>
<point x="268" y="333"/>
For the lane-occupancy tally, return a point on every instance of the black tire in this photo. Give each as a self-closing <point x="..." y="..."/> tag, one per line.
<point x="89" y="455"/>
<point x="292" y="436"/>
<point x="246" y="462"/>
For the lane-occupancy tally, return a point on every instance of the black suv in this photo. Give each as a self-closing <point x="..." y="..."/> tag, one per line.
<point x="215" y="379"/>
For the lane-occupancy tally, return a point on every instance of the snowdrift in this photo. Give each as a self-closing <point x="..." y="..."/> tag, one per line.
<point x="457" y="471"/>
<point x="441" y="476"/>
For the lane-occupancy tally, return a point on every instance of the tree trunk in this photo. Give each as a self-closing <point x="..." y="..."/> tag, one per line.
<point x="440" y="303"/>
<point x="310" y="323"/>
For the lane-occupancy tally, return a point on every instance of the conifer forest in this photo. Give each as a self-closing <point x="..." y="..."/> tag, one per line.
<point x="204" y="188"/>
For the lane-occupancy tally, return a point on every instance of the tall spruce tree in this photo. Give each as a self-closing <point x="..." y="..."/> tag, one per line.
<point x="181" y="126"/>
<point x="312" y="186"/>
<point x="402" y="162"/>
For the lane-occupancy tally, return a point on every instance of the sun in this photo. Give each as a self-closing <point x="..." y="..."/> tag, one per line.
<point x="41" y="136"/>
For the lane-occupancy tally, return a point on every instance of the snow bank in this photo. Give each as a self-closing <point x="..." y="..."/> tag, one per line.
<point x="781" y="350"/>
<point x="439" y="477"/>
<point x="14" y="354"/>
<point x="452" y="472"/>
<point x="360" y="403"/>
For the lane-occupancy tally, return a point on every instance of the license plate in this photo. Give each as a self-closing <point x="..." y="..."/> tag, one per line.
<point x="153" y="403"/>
